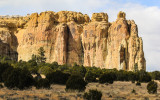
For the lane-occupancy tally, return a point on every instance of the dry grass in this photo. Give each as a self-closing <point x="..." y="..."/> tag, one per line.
<point x="116" y="91"/>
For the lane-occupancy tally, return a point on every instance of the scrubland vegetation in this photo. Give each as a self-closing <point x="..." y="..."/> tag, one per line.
<point x="19" y="75"/>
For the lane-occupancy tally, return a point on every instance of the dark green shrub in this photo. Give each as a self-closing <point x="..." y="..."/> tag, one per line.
<point x="97" y="71"/>
<point x="122" y="75"/>
<point x="93" y="95"/>
<point x="45" y="70"/>
<point x="138" y="83"/>
<point x="58" y="77"/>
<point x="33" y="61"/>
<point x="90" y="77"/>
<point x="6" y="73"/>
<point x="17" y="78"/>
<point x="76" y="82"/>
<point x="76" y="69"/>
<point x="42" y="83"/>
<point x="133" y="91"/>
<point x="152" y="87"/>
<point x="63" y="67"/>
<point x="54" y="65"/>
<point x="30" y="65"/>
<point x="3" y="68"/>
<point x="6" y="59"/>
<point x="108" y="77"/>
<point x="143" y="76"/>
<point x="131" y="76"/>
<point x="33" y="69"/>
<point x="155" y="75"/>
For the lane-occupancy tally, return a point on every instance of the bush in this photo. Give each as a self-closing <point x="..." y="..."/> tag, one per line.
<point x="76" y="69"/>
<point x="6" y="59"/>
<point x="131" y="76"/>
<point x="122" y="75"/>
<point x="143" y="76"/>
<point x="93" y="95"/>
<point x="54" y="65"/>
<point x="42" y="83"/>
<point x="33" y="69"/>
<point x="152" y="87"/>
<point x="133" y="91"/>
<point x="138" y="83"/>
<point x="58" y="77"/>
<point x="76" y="82"/>
<point x="30" y="65"/>
<point x="63" y="67"/>
<point x="97" y="71"/>
<point x="108" y="77"/>
<point x="17" y="78"/>
<point x="90" y="77"/>
<point x="6" y="73"/>
<point x="45" y="70"/>
<point x="155" y="75"/>
<point x="3" y="68"/>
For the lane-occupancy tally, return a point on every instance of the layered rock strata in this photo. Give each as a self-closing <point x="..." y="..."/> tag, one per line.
<point x="71" y="37"/>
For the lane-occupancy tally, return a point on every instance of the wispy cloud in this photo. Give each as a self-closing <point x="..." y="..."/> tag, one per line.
<point x="29" y="6"/>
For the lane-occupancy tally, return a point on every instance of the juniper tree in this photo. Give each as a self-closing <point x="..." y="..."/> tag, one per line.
<point x="41" y="55"/>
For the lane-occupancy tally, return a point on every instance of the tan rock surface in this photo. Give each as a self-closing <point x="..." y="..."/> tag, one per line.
<point x="71" y="37"/>
<point x="94" y="40"/>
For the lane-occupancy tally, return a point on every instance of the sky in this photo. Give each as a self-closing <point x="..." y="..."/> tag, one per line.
<point x="146" y="14"/>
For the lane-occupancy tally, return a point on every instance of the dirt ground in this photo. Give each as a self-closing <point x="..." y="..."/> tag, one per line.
<point x="116" y="91"/>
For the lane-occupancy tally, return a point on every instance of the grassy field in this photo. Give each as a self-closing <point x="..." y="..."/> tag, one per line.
<point x="116" y="91"/>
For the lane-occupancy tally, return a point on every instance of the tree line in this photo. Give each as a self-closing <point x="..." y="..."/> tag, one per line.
<point x="20" y="75"/>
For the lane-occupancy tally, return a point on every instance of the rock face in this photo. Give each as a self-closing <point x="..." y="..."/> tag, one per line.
<point x="71" y="37"/>
<point x="8" y="40"/>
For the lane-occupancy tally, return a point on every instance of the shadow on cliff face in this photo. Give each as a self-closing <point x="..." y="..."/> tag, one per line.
<point x="9" y="44"/>
<point x="6" y="50"/>
<point x="15" y="43"/>
<point x="74" y="46"/>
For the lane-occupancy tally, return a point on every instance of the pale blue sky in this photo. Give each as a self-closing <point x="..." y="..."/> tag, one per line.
<point x="146" y="14"/>
<point x="22" y="7"/>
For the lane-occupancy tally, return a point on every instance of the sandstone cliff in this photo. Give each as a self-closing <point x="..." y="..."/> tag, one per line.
<point x="71" y="37"/>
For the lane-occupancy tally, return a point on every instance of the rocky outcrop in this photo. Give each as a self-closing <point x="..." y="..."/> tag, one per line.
<point x="59" y="36"/>
<point x="71" y="37"/>
<point x="94" y="40"/>
<point x="8" y="40"/>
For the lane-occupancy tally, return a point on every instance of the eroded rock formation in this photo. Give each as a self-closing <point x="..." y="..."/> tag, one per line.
<point x="71" y="37"/>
